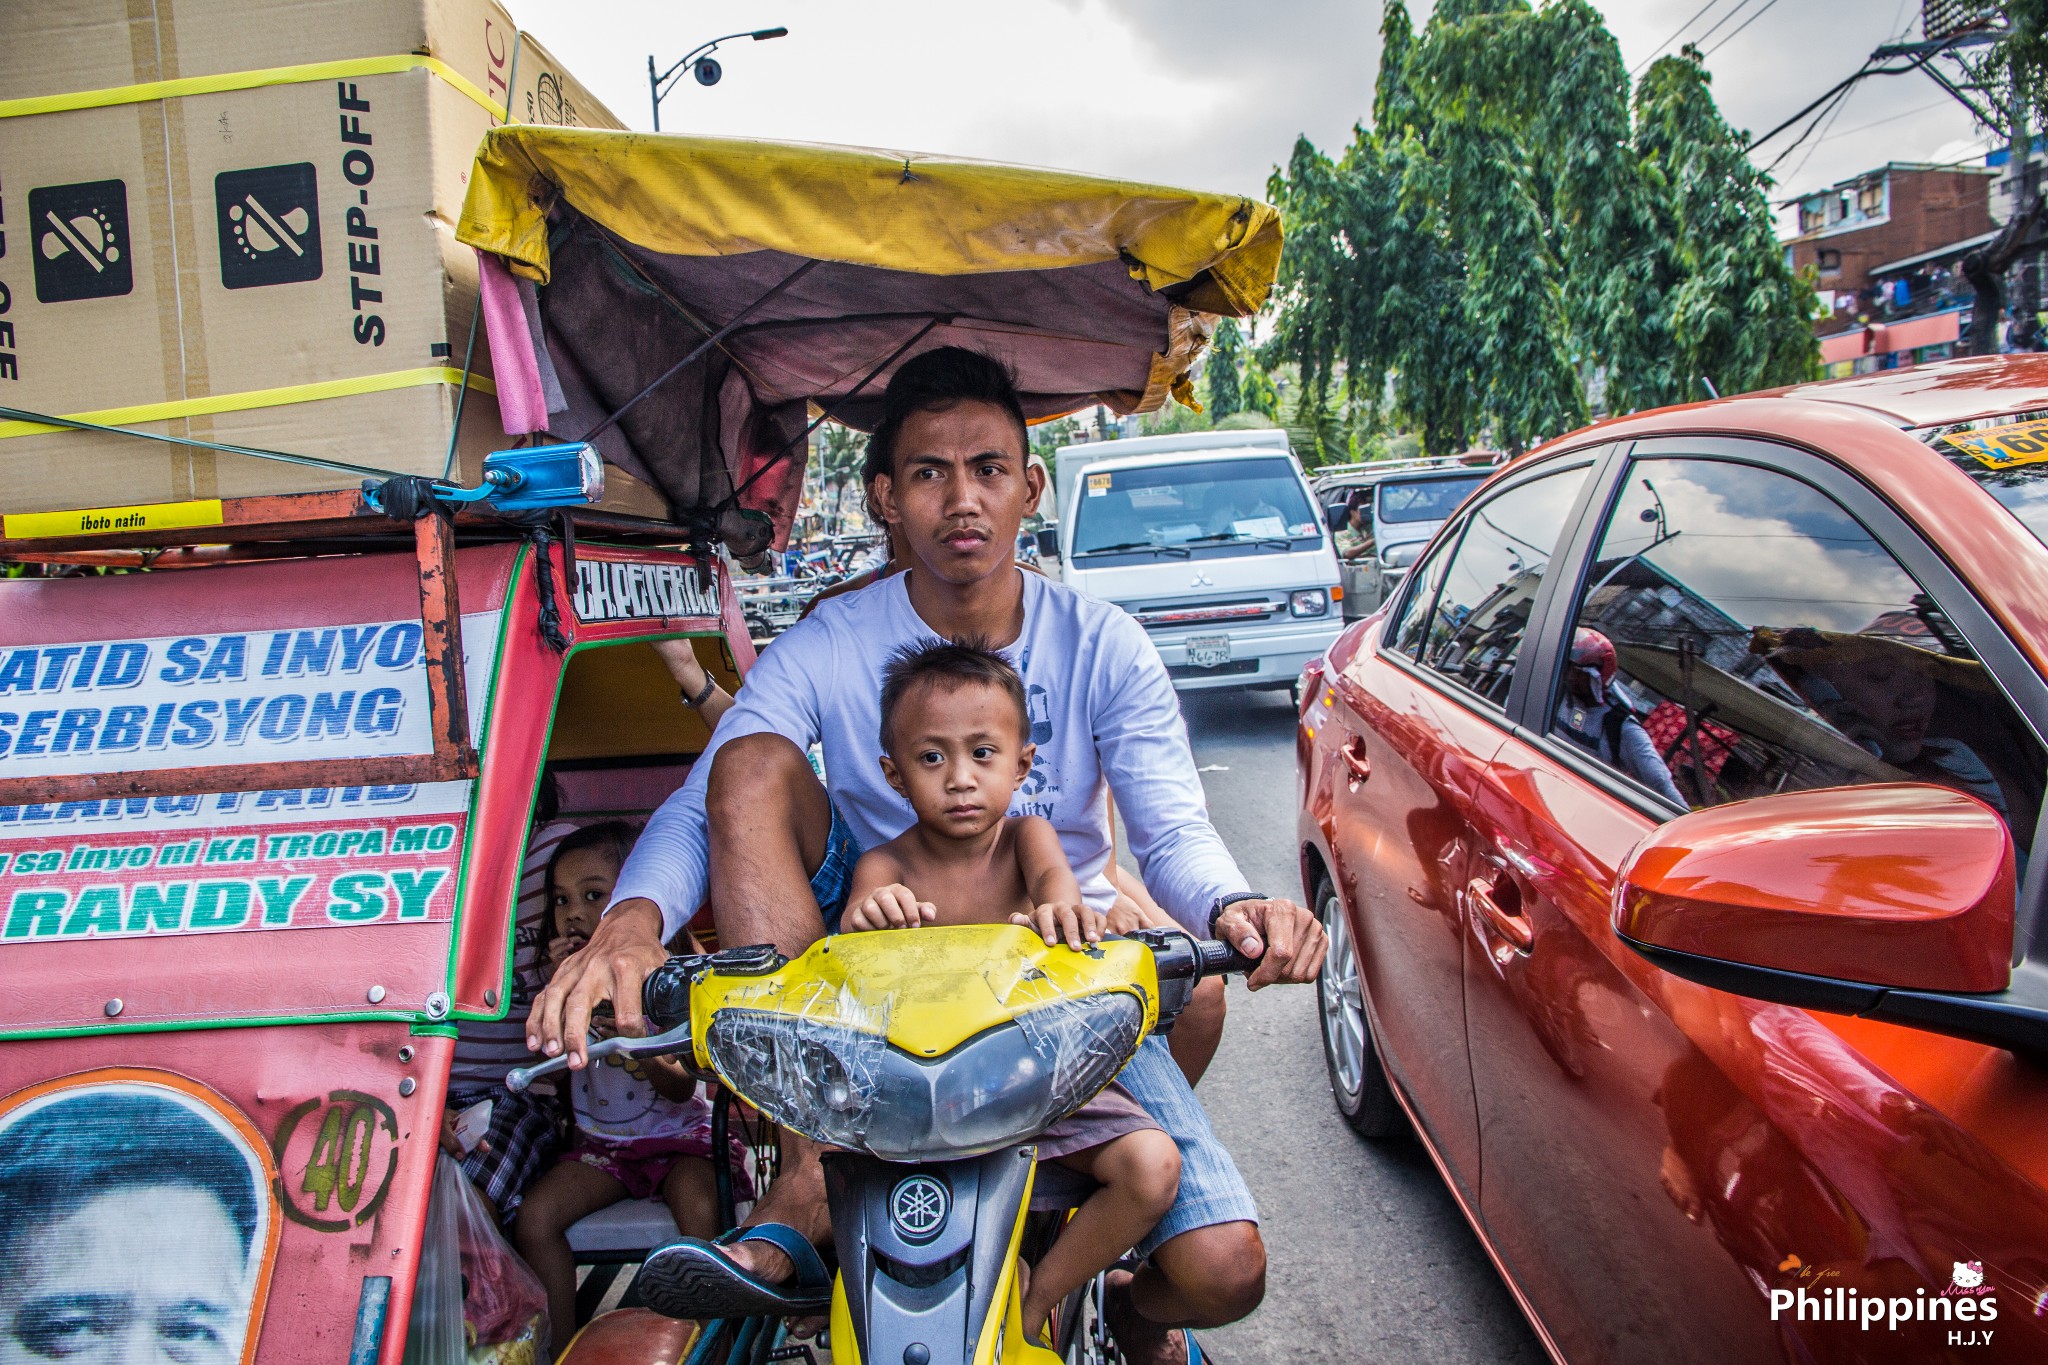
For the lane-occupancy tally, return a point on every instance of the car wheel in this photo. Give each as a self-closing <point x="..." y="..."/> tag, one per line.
<point x="1357" y="1081"/>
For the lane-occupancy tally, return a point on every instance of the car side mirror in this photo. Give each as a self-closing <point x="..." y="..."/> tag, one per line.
<point x="1892" y="901"/>
<point x="1049" y="542"/>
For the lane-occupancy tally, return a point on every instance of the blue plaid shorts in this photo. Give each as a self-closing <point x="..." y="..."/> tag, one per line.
<point x="834" y="877"/>
<point x="1211" y="1189"/>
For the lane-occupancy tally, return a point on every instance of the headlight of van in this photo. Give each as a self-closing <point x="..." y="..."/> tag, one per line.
<point x="1310" y="602"/>
<point x="851" y="1089"/>
<point x="1401" y="556"/>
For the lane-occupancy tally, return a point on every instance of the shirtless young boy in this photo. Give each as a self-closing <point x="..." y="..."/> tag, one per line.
<point x="955" y="739"/>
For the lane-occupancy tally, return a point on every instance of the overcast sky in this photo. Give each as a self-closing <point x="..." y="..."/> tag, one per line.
<point x="1203" y="93"/>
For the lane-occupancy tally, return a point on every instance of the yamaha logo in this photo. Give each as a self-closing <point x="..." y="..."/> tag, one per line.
<point x="918" y="1207"/>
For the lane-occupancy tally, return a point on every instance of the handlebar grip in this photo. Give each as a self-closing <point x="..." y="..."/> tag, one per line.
<point x="1218" y="957"/>
<point x="665" y="997"/>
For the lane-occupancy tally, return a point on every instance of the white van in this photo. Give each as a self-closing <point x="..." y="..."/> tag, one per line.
<point x="1213" y="542"/>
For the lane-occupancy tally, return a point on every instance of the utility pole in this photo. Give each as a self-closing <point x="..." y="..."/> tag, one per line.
<point x="2027" y="284"/>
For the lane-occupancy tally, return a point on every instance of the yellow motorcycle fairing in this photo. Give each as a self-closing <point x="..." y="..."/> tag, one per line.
<point x="1001" y="1340"/>
<point x="928" y="990"/>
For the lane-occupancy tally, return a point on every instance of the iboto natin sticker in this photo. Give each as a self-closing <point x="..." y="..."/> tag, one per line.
<point x="2003" y="447"/>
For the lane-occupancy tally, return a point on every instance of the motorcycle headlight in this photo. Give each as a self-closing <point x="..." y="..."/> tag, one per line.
<point x="852" y="1089"/>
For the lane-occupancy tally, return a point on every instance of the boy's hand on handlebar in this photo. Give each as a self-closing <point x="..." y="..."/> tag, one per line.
<point x="1074" y="925"/>
<point x="620" y="956"/>
<point x="1287" y="941"/>
<point x="894" y="906"/>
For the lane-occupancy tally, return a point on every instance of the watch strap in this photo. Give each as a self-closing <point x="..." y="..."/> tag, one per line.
<point x="1225" y="902"/>
<point x="710" y="686"/>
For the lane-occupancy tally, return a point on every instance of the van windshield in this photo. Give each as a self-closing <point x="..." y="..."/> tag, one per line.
<point x="1209" y="502"/>
<point x="1426" y="499"/>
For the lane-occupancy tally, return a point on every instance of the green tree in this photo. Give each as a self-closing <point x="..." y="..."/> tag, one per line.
<point x="1510" y="224"/>
<point x="1223" y="371"/>
<point x="837" y="454"/>
<point x="1738" y="317"/>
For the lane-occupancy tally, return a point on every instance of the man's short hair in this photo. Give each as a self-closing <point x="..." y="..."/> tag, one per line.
<point x="74" y="1150"/>
<point x="934" y="381"/>
<point x="949" y="664"/>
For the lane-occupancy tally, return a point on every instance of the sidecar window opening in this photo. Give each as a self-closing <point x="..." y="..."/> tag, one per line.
<point x="621" y="738"/>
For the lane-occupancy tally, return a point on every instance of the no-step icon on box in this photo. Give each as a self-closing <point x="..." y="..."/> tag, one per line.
<point x="269" y="219"/>
<point x="81" y="241"/>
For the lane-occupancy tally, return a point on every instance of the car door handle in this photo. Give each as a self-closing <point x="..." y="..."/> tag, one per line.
<point x="1356" y="761"/>
<point x="1512" y="927"/>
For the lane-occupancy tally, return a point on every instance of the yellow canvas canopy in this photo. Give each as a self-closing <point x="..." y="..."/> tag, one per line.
<point x="755" y="285"/>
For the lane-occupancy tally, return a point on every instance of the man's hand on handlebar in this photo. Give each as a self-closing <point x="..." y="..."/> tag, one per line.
<point x="1287" y="941"/>
<point x="622" y="953"/>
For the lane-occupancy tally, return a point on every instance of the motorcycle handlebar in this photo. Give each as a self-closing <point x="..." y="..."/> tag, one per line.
<point x="1218" y="957"/>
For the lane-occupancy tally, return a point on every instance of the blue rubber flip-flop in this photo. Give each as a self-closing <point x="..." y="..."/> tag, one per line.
<point x="692" y="1278"/>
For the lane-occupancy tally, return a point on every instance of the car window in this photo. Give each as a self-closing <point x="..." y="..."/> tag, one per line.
<point x="1426" y="499"/>
<point x="1476" y="628"/>
<point x="1203" y="502"/>
<point x="1405" y="631"/>
<point x="1741" y="634"/>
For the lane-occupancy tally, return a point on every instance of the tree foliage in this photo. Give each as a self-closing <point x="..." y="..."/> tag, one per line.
<point x="1508" y="225"/>
<point x="1223" y="371"/>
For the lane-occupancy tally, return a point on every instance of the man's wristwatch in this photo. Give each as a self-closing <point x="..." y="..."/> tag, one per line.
<point x="1225" y="902"/>
<point x="710" y="686"/>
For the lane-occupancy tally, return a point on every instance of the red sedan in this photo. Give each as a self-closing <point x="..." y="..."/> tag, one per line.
<point x="1673" y="830"/>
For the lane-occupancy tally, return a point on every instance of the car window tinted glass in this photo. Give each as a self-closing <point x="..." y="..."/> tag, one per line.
<point x="1405" y="631"/>
<point x="1204" y="502"/>
<point x="1426" y="499"/>
<point x="1741" y="634"/>
<point x="1482" y="612"/>
<point x="2008" y="457"/>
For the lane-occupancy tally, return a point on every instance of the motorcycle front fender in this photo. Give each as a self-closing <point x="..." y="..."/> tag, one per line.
<point x="928" y="1259"/>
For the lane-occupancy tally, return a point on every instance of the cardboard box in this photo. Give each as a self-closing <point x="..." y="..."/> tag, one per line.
<point x="267" y="263"/>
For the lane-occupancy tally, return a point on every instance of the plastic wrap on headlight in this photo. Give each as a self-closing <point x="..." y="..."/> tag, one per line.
<point x="851" y="1089"/>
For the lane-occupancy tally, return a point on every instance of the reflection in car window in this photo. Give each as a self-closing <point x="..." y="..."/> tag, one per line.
<point x="1405" y="630"/>
<point x="1475" y="633"/>
<point x="1742" y="634"/>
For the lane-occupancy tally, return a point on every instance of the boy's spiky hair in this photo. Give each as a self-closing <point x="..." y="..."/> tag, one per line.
<point x="968" y="662"/>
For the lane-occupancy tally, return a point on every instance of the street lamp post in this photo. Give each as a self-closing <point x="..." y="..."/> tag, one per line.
<point x="700" y="63"/>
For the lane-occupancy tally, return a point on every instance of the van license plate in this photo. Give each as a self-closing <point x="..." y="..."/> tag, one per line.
<point x="1207" y="651"/>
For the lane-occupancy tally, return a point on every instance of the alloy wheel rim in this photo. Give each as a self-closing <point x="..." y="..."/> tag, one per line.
<point x="1343" y="1002"/>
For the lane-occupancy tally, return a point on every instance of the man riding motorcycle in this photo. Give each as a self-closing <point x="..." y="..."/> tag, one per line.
<point x="774" y="849"/>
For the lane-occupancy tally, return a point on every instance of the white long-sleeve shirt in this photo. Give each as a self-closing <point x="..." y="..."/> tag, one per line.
<point x="1102" y="710"/>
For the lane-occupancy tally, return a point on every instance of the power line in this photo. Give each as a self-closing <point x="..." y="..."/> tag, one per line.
<point x="1658" y="50"/>
<point x="1833" y="114"/>
<point x="1725" y="18"/>
<point x="1739" y="27"/>
<point x="1891" y="118"/>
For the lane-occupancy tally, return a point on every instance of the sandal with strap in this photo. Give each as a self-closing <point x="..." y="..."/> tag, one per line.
<point x="691" y="1278"/>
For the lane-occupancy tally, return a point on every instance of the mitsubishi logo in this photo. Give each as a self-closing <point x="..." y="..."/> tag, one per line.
<point x="1202" y="580"/>
<point x="918" y="1207"/>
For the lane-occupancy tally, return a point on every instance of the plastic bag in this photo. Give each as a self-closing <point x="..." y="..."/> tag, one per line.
<point x="476" y="1302"/>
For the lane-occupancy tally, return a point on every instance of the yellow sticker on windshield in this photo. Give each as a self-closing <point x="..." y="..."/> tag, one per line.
<point x="1098" y="484"/>
<point x="2004" y="447"/>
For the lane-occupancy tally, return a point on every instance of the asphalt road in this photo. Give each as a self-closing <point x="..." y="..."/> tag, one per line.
<point x="1370" y="1258"/>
